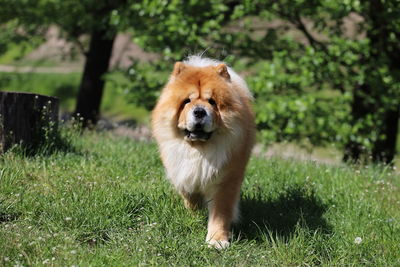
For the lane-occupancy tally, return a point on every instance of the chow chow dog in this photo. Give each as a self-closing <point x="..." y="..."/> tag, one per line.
<point x="205" y="131"/>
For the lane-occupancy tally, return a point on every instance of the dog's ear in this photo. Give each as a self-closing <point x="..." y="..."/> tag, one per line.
<point x="178" y="68"/>
<point x="223" y="71"/>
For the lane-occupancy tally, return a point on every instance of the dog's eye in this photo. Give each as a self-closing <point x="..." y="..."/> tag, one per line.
<point x="212" y="102"/>
<point x="186" y="101"/>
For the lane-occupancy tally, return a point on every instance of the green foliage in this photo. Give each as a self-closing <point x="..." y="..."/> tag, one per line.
<point x="140" y="84"/>
<point x="177" y="28"/>
<point x="13" y="44"/>
<point x="292" y="104"/>
<point x="308" y="48"/>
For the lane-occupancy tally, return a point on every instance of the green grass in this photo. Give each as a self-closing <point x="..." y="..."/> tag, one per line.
<point x="103" y="201"/>
<point x="16" y="52"/>
<point x="65" y="87"/>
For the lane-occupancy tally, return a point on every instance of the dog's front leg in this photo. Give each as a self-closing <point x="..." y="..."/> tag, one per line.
<point x="222" y="211"/>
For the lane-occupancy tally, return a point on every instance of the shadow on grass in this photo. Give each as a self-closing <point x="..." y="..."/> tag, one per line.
<point x="280" y="216"/>
<point x="57" y="144"/>
<point x="48" y="142"/>
<point x="6" y="215"/>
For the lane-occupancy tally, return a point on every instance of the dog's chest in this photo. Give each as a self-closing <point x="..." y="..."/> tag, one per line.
<point x="193" y="169"/>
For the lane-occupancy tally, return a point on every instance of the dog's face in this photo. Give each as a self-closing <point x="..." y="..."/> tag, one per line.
<point x="203" y="100"/>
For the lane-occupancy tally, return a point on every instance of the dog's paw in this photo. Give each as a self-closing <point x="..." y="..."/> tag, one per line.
<point x="218" y="244"/>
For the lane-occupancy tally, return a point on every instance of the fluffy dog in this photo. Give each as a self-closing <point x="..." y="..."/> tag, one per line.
<point x="205" y="130"/>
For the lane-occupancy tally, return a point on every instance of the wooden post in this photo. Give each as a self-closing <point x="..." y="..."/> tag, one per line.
<point x="27" y="119"/>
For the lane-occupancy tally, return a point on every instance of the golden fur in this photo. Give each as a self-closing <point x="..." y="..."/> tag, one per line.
<point x="206" y="170"/>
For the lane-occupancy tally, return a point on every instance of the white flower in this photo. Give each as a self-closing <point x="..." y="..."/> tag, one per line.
<point x="357" y="240"/>
<point x="68" y="218"/>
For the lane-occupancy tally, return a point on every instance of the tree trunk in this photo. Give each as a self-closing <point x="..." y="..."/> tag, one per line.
<point x="354" y="150"/>
<point x="92" y="83"/>
<point x="27" y="119"/>
<point x="384" y="149"/>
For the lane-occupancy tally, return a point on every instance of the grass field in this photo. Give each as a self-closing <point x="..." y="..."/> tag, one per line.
<point x="102" y="200"/>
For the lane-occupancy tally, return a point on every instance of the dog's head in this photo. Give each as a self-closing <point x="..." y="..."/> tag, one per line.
<point x="203" y="100"/>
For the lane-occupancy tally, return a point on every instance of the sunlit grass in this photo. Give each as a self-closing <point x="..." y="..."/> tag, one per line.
<point x="103" y="200"/>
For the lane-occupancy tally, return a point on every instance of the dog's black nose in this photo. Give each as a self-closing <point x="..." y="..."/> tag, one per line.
<point x="199" y="112"/>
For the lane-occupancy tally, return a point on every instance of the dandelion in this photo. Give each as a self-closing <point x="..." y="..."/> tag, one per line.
<point x="68" y="219"/>
<point x="357" y="240"/>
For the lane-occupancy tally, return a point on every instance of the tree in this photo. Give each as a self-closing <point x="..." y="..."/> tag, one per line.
<point x="75" y="19"/>
<point x="167" y="26"/>
<point x="93" y="18"/>
<point x="312" y="78"/>
<point x="364" y="64"/>
<point x="305" y="51"/>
